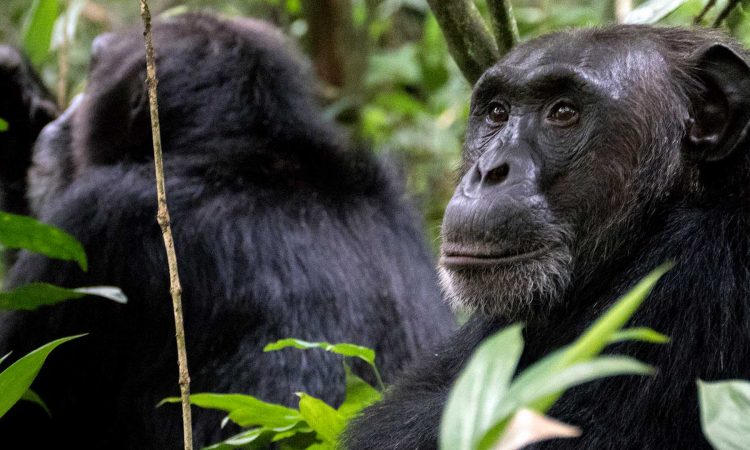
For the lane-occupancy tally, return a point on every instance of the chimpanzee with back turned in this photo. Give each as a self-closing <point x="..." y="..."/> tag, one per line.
<point x="282" y="229"/>
<point x="592" y="157"/>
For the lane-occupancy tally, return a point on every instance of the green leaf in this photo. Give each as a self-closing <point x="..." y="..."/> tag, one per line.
<point x="481" y="403"/>
<point x="245" y="410"/>
<point x="725" y="413"/>
<point x="26" y="233"/>
<point x="238" y="440"/>
<point x="32" y="296"/>
<point x="37" y="29"/>
<point x="16" y="379"/>
<point x="599" y="334"/>
<point x="326" y="421"/>
<point x="359" y="395"/>
<point x="269" y="415"/>
<point x="544" y="379"/>
<point x="350" y="350"/>
<point x="33" y="397"/>
<point x="356" y="351"/>
<point x="480" y="390"/>
<point x="652" y="11"/>
<point x="3" y="125"/>
<point x="642" y="334"/>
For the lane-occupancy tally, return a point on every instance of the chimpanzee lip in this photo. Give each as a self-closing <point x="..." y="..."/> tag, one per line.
<point x="456" y="259"/>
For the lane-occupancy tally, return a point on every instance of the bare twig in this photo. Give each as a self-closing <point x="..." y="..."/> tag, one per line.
<point x="728" y="8"/>
<point x="162" y="217"/>
<point x="699" y="18"/>
<point x="503" y="24"/>
<point x="62" y="61"/>
<point x="469" y="41"/>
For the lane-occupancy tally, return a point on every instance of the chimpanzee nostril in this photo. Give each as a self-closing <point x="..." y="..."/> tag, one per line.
<point x="498" y="174"/>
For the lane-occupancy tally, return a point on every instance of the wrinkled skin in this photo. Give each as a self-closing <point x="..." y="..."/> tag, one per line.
<point x="591" y="157"/>
<point x="282" y="229"/>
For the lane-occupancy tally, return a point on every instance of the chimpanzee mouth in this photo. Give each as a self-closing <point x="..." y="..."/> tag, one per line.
<point x="462" y="259"/>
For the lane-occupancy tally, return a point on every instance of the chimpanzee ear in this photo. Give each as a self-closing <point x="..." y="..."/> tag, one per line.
<point x="721" y="115"/>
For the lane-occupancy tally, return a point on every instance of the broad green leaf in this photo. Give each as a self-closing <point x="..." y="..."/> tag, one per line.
<point x="221" y="402"/>
<point x="37" y="29"/>
<point x="26" y="233"/>
<point x="351" y="350"/>
<point x="32" y="296"/>
<point x="344" y="349"/>
<point x="359" y="395"/>
<point x="3" y="125"/>
<point x="326" y="421"/>
<point x="558" y="382"/>
<point x="16" y="379"/>
<point x="245" y="410"/>
<point x="642" y="334"/>
<point x="653" y="11"/>
<point x="33" y="397"/>
<point x="725" y="413"/>
<point x="269" y="415"/>
<point x="545" y="380"/>
<point x="480" y="390"/>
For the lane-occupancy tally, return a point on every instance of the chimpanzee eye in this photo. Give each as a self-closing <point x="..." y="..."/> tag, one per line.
<point x="563" y="114"/>
<point x="497" y="113"/>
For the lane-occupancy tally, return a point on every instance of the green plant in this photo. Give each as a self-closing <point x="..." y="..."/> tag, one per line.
<point x="15" y="381"/>
<point x="482" y="405"/>
<point x="486" y="397"/>
<point x="725" y="413"/>
<point x="20" y="232"/>
<point x="313" y="425"/>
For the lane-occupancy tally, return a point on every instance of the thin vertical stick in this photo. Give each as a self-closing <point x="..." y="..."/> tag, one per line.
<point x="162" y="217"/>
<point x="62" y="61"/>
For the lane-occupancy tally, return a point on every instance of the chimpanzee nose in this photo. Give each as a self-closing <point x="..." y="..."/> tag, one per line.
<point x="496" y="170"/>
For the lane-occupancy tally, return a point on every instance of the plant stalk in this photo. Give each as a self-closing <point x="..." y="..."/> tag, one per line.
<point x="162" y="218"/>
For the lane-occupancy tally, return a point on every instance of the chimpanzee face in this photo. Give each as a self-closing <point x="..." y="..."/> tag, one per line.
<point x="569" y="144"/>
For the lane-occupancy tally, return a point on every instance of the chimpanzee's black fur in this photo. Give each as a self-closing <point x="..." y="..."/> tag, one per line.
<point x="28" y="106"/>
<point x="687" y="199"/>
<point x="282" y="229"/>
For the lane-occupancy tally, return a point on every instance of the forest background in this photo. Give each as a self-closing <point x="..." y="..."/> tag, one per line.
<point x="384" y="66"/>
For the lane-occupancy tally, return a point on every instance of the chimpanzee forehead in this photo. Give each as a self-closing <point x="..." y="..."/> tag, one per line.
<point x="609" y="64"/>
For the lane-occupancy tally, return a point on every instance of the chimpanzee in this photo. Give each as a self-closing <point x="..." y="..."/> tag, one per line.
<point x="28" y="105"/>
<point x="591" y="157"/>
<point x="283" y="229"/>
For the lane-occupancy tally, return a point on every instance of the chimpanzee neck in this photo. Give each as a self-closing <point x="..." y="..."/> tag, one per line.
<point x="710" y="249"/>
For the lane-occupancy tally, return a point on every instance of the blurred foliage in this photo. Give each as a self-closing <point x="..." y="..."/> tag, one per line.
<point x="409" y="102"/>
